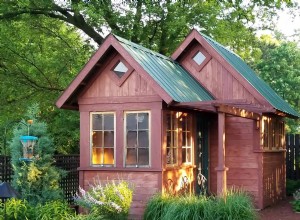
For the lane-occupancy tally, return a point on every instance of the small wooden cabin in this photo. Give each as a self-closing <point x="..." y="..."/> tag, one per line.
<point x="200" y="120"/>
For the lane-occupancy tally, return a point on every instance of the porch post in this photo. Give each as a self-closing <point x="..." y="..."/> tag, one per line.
<point x="221" y="169"/>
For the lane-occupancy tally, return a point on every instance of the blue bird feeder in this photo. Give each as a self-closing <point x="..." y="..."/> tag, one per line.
<point x="28" y="143"/>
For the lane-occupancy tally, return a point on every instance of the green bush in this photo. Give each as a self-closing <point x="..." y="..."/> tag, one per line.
<point x="292" y="186"/>
<point x="17" y="209"/>
<point x="20" y="209"/>
<point x="296" y="202"/>
<point x="237" y="205"/>
<point x="111" y="201"/>
<point x="54" y="210"/>
<point x="36" y="181"/>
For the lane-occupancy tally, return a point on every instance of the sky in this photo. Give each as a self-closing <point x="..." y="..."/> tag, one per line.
<point x="286" y="24"/>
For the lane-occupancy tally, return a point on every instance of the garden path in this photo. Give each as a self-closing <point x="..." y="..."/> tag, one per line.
<point x="281" y="211"/>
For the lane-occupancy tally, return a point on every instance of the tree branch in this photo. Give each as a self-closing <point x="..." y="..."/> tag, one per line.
<point x="61" y="14"/>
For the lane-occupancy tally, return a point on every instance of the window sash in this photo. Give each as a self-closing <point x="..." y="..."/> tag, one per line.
<point x="178" y="138"/>
<point x="102" y="138"/>
<point x="137" y="139"/>
<point x="272" y="133"/>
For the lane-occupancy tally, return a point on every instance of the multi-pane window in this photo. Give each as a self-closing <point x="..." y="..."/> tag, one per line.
<point x="179" y="137"/>
<point x="272" y="132"/>
<point x="103" y="138"/>
<point x="137" y="135"/>
<point x="186" y="124"/>
<point x="172" y="138"/>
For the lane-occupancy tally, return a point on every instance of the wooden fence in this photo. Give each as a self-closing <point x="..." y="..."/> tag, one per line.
<point x="293" y="156"/>
<point x="69" y="184"/>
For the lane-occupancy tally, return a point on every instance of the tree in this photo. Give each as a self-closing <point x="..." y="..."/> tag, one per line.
<point x="159" y="25"/>
<point x="38" y="180"/>
<point x="279" y="66"/>
<point x="38" y="59"/>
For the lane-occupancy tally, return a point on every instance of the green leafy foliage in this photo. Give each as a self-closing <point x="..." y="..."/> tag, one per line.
<point x="56" y="210"/>
<point x="292" y="186"/>
<point x="37" y="181"/>
<point x="17" y="209"/>
<point x="236" y="205"/>
<point x="110" y="201"/>
<point x="296" y="202"/>
<point x="38" y="59"/>
<point x="20" y="209"/>
<point x="279" y="66"/>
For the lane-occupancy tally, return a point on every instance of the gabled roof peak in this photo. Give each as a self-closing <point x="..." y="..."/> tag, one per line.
<point x="139" y="47"/>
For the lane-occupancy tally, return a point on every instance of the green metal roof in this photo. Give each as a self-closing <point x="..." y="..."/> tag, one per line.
<point x="263" y="88"/>
<point x="175" y="80"/>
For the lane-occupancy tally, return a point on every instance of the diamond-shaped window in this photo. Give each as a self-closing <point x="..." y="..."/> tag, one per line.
<point x="120" y="69"/>
<point x="199" y="58"/>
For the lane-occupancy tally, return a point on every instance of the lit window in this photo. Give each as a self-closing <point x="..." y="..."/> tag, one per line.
<point x="199" y="58"/>
<point x="179" y="137"/>
<point x="272" y="133"/>
<point x="120" y="69"/>
<point x="172" y="138"/>
<point x="186" y="124"/>
<point x="137" y="139"/>
<point x="103" y="138"/>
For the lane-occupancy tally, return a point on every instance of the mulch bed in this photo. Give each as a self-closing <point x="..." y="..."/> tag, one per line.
<point x="281" y="211"/>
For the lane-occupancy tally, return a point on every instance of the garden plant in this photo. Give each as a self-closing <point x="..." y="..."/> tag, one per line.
<point x="235" y="205"/>
<point x="37" y="180"/>
<point x="106" y="201"/>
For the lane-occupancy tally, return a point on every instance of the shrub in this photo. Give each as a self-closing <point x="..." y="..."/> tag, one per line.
<point x="54" y="210"/>
<point x="36" y="181"/>
<point x="237" y="205"/>
<point x="111" y="201"/>
<point x="21" y="209"/>
<point x="17" y="209"/>
<point x="292" y="186"/>
<point x="296" y="202"/>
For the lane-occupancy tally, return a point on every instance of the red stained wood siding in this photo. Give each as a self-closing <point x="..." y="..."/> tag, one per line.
<point x="218" y="80"/>
<point x="104" y="86"/>
<point x="145" y="185"/>
<point x="242" y="162"/>
<point x="273" y="177"/>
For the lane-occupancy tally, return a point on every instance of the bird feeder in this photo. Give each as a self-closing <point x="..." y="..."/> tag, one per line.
<point x="28" y="143"/>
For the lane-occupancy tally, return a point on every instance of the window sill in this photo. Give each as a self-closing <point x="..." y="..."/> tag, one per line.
<point x="269" y="151"/>
<point x="120" y="169"/>
<point x="176" y="167"/>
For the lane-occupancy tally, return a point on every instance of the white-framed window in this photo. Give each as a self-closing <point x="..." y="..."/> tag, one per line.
<point x="179" y="138"/>
<point x="103" y="138"/>
<point x="137" y="139"/>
